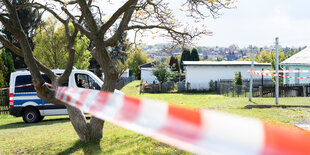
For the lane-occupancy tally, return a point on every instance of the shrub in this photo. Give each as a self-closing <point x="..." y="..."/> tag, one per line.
<point x="212" y="85"/>
<point x="162" y="72"/>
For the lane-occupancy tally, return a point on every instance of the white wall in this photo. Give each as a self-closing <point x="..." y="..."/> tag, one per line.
<point x="125" y="74"/>
<point x="200" y="76"/>
<point x="147" y="76"/>
<point x="296" y="81"/>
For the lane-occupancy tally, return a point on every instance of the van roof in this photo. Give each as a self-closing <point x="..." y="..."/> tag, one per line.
<point x="26" y="72"/>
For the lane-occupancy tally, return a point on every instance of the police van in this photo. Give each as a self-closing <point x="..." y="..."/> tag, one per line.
<point x="25" y="102"/>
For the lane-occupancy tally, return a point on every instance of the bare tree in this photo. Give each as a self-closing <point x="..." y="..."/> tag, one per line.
<point x="86" y="16"/>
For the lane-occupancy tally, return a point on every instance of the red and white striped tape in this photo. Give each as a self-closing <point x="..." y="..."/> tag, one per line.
<point x="193" y="130"/>
<point x="25" y="85"/>
<point x="272" y="75"/>
<point x="291" y="77"/>
<point x="262" y="73"/>
<point x="287" y="71"/>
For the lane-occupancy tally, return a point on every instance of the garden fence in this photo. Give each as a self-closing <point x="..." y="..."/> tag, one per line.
<point x="158" y="88"/>
<point x="123" y="82"/>
<point x="4" y="102"/>
<point x="265" y="91"/>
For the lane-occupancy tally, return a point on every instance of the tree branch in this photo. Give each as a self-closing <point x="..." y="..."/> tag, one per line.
<point x="77" y="25"/>
<point x="41" y="6"/>
<point x="7" y="44"/>
<point x="7" y="23"/>
<point x="70" y="47"/>
<point x="124" y="23"/>
<point x="88" y="16"/>
<point x="116" y="15"/>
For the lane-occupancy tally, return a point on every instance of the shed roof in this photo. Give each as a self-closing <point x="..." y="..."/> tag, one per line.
<point x="148" y="65"/>
<point x="223" y="63"/>
<point x="300" y="58"/>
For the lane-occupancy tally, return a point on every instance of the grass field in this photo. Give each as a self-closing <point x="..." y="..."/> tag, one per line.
<point x="55" y="135"/>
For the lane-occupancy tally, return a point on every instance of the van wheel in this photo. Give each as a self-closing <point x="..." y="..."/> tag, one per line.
<point x="30" y="115"/>
<point x="41" y="118"/>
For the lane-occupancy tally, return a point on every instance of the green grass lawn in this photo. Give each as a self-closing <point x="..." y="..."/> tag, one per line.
<point x="55" y="135"/>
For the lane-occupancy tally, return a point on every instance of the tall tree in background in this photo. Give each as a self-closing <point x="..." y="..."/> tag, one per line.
<point x="194" y="55"/>
<point x="51" y="50"/>
<point x="29" y="19"/>
<point x="174" y="64"/>
<point x="3" y="70"/>
<point x="120" y="51"/>
<point x="7" y="59"/>
<point x="186" y="56"/>
<point x="131" y="15"/>
<point x="136" y="58"/>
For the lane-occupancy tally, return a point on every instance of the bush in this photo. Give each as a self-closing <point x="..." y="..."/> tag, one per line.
<point x="238" y="82"/>
<point x="212" y="85"/>
<point x="162" y="72"/>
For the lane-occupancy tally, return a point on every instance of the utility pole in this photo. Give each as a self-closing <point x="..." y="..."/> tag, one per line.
<point x="251" y="80"/>
<point x="262" y="78"/>
<point x="277" y="70"/>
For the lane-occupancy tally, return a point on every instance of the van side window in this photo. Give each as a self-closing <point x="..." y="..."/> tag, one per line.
<point x="21" y="80"/>
<point x="85" y="81"/>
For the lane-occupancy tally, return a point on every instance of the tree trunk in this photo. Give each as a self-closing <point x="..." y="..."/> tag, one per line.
<point x="79" y="123"/>
<point x="110" y="80"/>
<point x="91" y="131"/>
<point x="88" y="132"/>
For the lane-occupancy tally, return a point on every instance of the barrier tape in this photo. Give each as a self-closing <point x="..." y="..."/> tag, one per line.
<point x="286" y="71"/>
<point x="25" y="85"/>
<point x="193" y="130"/>
<point x="272" y="75"/>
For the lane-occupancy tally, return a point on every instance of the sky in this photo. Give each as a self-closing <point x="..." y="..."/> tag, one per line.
<point x="258" y="23"/>
<point x="253" y="22"/>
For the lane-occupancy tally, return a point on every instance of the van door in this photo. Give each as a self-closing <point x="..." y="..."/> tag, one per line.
<point x="50" y="109"/>
<point x="83" y="80"/>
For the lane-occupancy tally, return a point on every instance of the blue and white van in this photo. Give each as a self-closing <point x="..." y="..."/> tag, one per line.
<point x="25" y="102"/>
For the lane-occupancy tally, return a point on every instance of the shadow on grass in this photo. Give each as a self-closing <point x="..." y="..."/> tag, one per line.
<point x="129" y="143"/>
<point x="22" y="124"/>
<point x="253" y="102"/>
<point x="88" y="148"/>
<point x="43" y="122"/>
<point x="184" y="93"/>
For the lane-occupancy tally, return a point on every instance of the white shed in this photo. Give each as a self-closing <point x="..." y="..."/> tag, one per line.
<point x="299" y="61"/>
<point x="146" y="73"/>
<point x="200" y="73"/>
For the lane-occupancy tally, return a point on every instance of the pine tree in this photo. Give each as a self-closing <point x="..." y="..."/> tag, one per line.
<point x="194" y="55"/>
<point x="174" y="64"/>
<point x="186" y="56"/>
<point x="238" y="79"/>
<point x="238" y="82"/>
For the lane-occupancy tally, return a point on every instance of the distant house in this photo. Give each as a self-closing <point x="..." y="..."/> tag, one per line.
<point x="125" y="74"/>
<point x="200" y="73"/>
<point x="299" y="61"/>
<point x="146" y="73"/>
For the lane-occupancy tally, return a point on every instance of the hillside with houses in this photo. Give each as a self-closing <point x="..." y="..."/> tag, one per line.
<point x="230" y="53"/>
